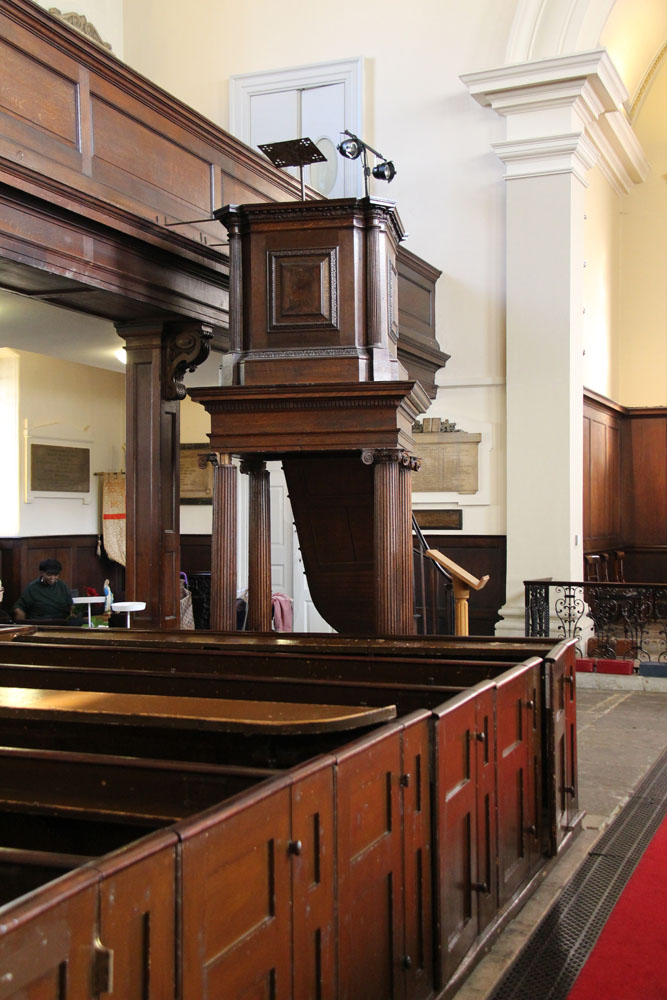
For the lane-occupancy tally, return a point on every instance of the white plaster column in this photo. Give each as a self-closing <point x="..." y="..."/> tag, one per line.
<point x="562" y="115"/>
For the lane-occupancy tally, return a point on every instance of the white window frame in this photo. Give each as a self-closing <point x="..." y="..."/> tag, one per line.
<point x="244" y="86"/>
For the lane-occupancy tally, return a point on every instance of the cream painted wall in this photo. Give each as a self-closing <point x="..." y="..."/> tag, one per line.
<point x="449" y="186"/>
<point x="9" y="421"/>
<point x="601" y="277"/>
<point x="105" y="15"/>
<point x="643" y="266"/>
<point x="64" y="402"/>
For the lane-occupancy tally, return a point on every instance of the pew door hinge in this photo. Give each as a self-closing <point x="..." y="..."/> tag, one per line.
<point x="102" y="969"/>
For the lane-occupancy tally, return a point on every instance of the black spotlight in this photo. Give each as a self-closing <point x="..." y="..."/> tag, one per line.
<point x="350" y="148"/>
<point x="353" y="147"/>
<point x="385" y="171"/>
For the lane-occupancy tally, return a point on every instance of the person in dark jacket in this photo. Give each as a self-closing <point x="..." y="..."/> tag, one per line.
<point x="47" y="596"/>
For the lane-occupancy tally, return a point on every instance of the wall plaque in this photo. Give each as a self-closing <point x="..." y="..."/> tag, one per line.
<point x="452" y="520"/>
<point x="449" y="462"/>
<point x="196" y="485"/>
<point x="57" y="469"/>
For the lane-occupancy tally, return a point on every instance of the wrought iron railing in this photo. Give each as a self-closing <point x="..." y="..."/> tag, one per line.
<point x="627" y="618"/>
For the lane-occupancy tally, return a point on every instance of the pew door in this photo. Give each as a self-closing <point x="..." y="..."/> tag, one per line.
<point x="46" y="951"/>
<point x="236" y="899"/>
<point x="562" y="788"/>
<point x="313" y="880"/>
<point x="137" y="917"/>
<point x="415" y="783"/>
<point x="370" y="869"/>
<point x="385" y="864"/>
<point x="465" y="797"/>
<point x="518" y="711"/>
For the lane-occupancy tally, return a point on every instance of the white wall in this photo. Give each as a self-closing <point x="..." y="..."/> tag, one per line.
<point x="61" y="402"/>
<point x="643" y="263"/>
<point x="449" y="186"/>
<point x="601" y="277"/>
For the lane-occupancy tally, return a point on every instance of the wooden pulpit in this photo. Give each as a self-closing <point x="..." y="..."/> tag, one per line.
<point x="313" y="379"/>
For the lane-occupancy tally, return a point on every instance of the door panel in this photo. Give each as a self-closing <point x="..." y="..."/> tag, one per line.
<point x="456" y="803"/>
<point x="138" y="917"/>
<point x="313" y="884"/>
<point x="517" y="818"/>
<point x="236" y="888"/>
<point x="562" y="743"/>
<point x="50" y="950"/>
<point x="370" y="868"/>
<point x="416" y="801"/>
<point x="487" y="830"/>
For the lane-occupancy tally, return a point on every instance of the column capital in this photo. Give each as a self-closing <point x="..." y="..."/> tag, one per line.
<point x="563" y="115"/>
<point x="387" y="455"/>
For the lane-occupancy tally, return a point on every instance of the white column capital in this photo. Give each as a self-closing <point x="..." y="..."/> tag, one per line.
<point x="563" y="114"/>
<point x="573" y="153"/>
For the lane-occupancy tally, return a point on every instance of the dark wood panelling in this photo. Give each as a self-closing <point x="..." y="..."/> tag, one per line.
<point x="625" y="485"/>
<point x="38" y="96"/>
<point x="644" y="497"/>
<point x="480" y="555"/>
<point x="82" y="567"/>
<point x="602" y="471"/>
<point x="418" y="348"/>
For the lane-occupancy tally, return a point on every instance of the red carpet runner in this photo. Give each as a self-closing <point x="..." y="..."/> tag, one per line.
<point x="629" y="960"/>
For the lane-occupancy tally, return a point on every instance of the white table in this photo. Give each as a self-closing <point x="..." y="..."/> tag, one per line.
<point x="89" y="601"/>
<point x="128" y="607"/>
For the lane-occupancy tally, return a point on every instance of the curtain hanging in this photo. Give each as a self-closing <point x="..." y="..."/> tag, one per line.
<point x="113" y="515"/>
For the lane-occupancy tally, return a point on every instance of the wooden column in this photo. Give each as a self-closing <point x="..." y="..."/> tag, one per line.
<point x="393" y="547"/>
<point x="259" y="546"/>
<point x="223" y="543"/>
<point x="158" y="354"/>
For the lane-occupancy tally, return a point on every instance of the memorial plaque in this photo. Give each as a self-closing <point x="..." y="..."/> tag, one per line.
<point x="59" y="469"/>
<point x="196" y="485"/>
<point x="451" y="520"/>
<point x="449" y="463"/>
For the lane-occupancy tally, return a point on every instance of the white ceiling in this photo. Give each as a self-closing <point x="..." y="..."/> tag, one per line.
<point x="27" y="324"/>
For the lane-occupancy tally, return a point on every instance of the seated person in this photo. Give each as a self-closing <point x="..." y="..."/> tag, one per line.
<point x="46" y="597"/>
<point x="4" y="617"/>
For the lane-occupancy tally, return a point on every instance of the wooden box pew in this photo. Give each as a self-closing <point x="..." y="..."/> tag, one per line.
<point x="506" y="648"/>
<point x="106" y="928"/>
<point x="58" y="809"/>
<point x="208" y="665"/>
<point x="409" y="683"/>
<point x="318" y="880"/>
<point x="220" y="731"/>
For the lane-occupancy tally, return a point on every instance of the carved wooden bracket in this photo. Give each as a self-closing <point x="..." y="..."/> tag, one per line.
<point x="211" y="456"/>
<point x="185" y="347"/>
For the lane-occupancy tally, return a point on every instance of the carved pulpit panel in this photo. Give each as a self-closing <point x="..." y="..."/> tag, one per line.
<point x="318" y="283"/>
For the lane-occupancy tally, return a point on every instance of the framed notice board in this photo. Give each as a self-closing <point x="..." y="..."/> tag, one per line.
<point x="59" y="470"/>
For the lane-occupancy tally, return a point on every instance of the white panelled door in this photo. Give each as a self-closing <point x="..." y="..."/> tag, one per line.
<point x="317" y="101"/>
<point x="287" y="574"/>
